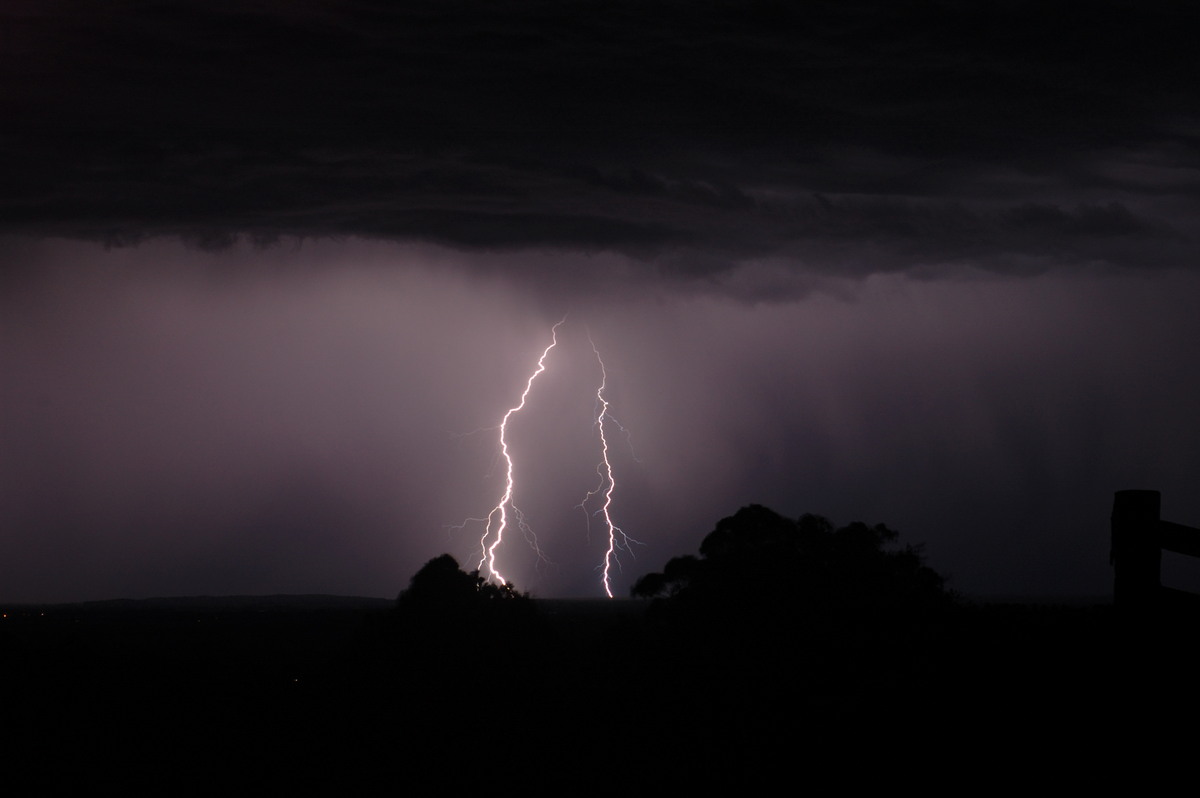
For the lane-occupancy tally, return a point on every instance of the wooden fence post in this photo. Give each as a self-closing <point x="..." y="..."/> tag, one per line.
<point x="1136" y="553"/>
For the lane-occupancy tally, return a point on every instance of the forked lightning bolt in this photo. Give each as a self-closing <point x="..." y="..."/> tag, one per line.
<point x="617" y="539"/>
<point x="498" y="517"/>
<point x="497" y="521"/>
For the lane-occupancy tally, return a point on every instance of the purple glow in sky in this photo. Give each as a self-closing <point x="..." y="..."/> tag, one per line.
<point x="262" y="267"/>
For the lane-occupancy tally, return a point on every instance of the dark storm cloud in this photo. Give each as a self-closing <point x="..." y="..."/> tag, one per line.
<point x="845" y="138"/>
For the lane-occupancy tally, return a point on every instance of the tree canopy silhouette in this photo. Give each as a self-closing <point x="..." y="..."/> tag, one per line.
<point x="454" y="609"/>
<point x="759" y="556"/>
<point x="441" y="585"/>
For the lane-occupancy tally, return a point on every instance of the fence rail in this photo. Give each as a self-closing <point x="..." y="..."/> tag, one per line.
<point x="1139" y="537"/>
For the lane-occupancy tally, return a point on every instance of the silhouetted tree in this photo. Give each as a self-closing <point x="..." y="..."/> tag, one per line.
<point x="453" y="610"/>
<point x="443" y="583"/>
<point x="675" y="577"/>
<point x="775" y="606"/>
<point x="757" y="555"/>
<point x="440" y="581"/>
<point x="650" y="585"/>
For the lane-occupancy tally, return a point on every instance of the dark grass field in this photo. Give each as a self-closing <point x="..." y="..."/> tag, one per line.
<point x="268" y="694"/>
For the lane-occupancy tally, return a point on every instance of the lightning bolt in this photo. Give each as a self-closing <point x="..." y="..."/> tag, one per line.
<point x="497" y="520"/>
<point x="498" y="517"/>
<point x="617" y="539"/>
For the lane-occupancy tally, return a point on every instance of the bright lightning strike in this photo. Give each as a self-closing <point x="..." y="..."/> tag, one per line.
<point x="497" y="521"/>
<point x="617" y="539"/>
<point x="498" y="517"/>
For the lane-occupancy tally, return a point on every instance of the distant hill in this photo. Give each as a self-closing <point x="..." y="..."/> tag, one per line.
<point x="234" y="603"/>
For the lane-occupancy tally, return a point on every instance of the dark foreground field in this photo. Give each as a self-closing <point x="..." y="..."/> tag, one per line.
<point x="280" y="694"/>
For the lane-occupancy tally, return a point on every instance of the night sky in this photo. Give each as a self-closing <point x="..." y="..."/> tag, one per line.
<point x="270" y="270"/>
